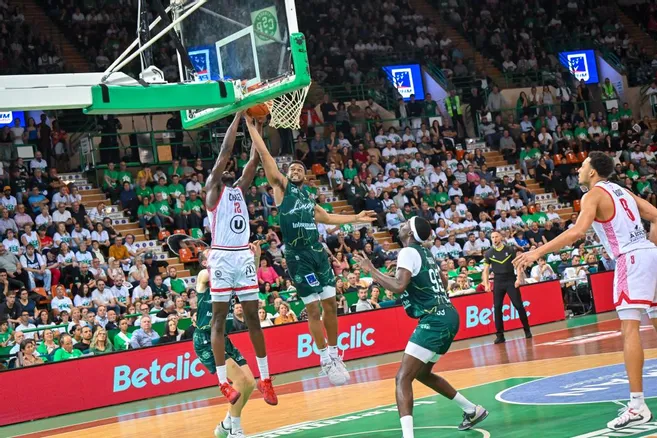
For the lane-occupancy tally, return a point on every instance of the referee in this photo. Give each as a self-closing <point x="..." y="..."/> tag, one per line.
<point x="498" y="259"/>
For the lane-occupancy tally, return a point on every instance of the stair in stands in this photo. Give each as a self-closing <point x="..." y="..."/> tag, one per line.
<point x="482" y="63"/>
<point x="636" y="34"/>
<point x="38" y="18"/>
<point x="498" y="159"/>
<point x="92" y="196"/>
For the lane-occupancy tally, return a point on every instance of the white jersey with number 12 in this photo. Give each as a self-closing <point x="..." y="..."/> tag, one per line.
<point x="229" y="220"/>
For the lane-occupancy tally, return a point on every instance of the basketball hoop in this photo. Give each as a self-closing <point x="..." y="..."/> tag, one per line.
<point x="286" y="110"/>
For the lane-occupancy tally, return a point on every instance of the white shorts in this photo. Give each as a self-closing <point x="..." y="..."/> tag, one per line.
<point x="232" y="271"/>
<point x="421" y="353"/>
<point x="635" y="280"/>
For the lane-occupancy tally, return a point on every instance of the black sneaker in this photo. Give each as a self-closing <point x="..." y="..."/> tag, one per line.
<point x="469" y="420"/>
<point x="528" y="334"/>
<point x="500" y="339"/>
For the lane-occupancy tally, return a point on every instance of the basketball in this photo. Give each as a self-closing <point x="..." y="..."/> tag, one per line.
<point x="258" y="111"/>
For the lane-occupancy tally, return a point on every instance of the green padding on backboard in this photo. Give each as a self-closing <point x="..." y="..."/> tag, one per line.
<point x="115" y="99"/>
<point x="195" y="119"/>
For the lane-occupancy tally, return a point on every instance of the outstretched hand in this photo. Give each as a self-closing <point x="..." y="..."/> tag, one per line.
<point x="366" y="216"/>
<point x="525" y="260"/>
<point x="362" y="260"/>
<point x="255" y="248"/>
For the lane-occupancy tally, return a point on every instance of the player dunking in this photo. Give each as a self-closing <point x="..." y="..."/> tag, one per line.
<point x="231" y="263"/>
<point x="615" y="214"/>
<point x="308" y="263"/>
<point x="423" y="296"/>
<point x="236" y="368"/>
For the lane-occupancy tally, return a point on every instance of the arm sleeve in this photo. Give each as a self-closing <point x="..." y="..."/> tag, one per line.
<point x="409" y="259"/>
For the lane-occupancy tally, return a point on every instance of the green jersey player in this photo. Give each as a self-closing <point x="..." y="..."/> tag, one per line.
<point x="307" y="261"/>
<point x="236" y="367"/>
<point x="424" y="298"/>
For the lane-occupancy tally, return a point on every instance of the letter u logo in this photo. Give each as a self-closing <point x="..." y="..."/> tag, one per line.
<point x="238" y="224"/>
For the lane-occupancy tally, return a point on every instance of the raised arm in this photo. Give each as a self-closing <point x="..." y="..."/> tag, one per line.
<point x="212" y="184"/>
<point x="396" y="284"/>
<point x="274" y="176"/>
<point x="323" y="217"/>
<point x="249" y="171"/>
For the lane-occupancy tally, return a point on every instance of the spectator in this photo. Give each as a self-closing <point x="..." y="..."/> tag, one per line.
<point x="145" y="336"/>
<point x="66" y="351"/>
<point x="25" y="324"/>
<point x="171" y="333"/>
<point x="239" y="323"/>
<point x="100" y="344"/>
<point x="285" y="316"/>
<point x="123" y="339"/>
<point x="85" y="343"/>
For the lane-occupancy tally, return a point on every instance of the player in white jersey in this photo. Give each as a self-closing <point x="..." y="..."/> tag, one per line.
<point x="615" y="214"/>
<point x="231" y="262"/>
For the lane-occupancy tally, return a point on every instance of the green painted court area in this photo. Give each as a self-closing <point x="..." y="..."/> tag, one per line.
<point x="436" y="417"/>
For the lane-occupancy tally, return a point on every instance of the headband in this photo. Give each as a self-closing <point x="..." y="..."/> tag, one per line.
<point x="414" y="229"/>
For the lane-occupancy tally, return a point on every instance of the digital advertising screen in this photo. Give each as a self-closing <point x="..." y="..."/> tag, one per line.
<point x="581" y="64"/>
<point x="7" y="118"/>
<point x="204" y="60"/>
<point x="407" y="79"/>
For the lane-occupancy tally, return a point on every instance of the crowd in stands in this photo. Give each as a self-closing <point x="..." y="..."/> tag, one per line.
<point x="71" y="284"/>
<point x="348" y="42"/>
<point x="23" y="49"/>
<point x="526" y="39"/>
<point x="642" y="66"/>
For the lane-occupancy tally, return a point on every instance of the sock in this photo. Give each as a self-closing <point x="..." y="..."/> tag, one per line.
<point x="227" y="421"/>
<point x="407" y="426"/>
<point x="324" y="355"/>
<point x="464" y="403"/>
<point x="636" y="400"/>
<point x="333" y="351"/>
<point x="221" y="374"/>
<point x="263" y="367"/>
<point x="237" y="424"/>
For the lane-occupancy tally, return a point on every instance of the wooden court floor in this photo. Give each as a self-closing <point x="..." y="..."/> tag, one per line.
<point x="511" y="380"/>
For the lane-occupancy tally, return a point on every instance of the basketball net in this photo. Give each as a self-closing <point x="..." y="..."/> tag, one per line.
<point x="286" y="110"/>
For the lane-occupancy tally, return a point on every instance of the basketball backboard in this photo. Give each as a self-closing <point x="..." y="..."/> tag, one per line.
<point x="233" y="54"/>
<point x="252" y="43"/>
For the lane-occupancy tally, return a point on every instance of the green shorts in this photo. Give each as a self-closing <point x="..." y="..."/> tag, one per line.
<point x="433" y="335"/>
<point x="312" y="273"/>
<point x="203" y="349"/>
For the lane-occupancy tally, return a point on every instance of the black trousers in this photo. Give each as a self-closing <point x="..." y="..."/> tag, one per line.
<point x="501" y="287"/>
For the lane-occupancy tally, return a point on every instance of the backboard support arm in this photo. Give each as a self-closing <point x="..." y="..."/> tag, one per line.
<point x="163" y="32"/>
<point x="144" y="34"/>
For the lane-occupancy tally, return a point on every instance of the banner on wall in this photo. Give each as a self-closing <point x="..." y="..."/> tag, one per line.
<point x="602" y="289"/>
<point x="173" y="368"/>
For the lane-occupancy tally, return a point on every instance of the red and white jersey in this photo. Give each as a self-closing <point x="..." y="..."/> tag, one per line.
<point x="229" y="221"/>
<point x="624" y="232"/>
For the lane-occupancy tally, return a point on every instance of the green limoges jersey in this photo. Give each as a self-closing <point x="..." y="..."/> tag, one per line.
<point x="204" y="310"/>
<point x="297" y="214"/>
<point x="425" y="294"/>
